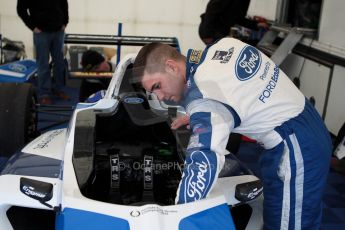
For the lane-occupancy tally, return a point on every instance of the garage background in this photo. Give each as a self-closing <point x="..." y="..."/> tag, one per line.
<point x="178" y="18"/>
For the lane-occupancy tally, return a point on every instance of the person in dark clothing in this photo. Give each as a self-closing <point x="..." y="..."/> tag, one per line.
<point x="47" y="20"/>
<point x="93" y="61"/>
<point x="221" y="15"/>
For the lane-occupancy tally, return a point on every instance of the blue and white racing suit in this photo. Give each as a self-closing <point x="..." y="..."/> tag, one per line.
<point x="233" y="87"/>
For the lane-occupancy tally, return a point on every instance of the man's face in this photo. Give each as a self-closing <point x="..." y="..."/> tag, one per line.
<point x="166" y="85"/>
<point x="101" y="67"/>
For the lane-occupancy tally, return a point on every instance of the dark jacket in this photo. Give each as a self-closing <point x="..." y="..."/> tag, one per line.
<point x="220" y="15"/>
<point x="47" y="15"/>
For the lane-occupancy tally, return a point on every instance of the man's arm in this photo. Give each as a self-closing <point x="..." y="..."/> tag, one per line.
<point x="211" y="123"/>
<point x="22" y="10"/>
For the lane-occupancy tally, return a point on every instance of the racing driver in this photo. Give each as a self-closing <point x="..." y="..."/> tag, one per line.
<point x="233" y="87"/>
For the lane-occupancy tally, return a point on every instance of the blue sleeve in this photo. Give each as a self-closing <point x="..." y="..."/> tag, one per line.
<point x="211" y="123"/>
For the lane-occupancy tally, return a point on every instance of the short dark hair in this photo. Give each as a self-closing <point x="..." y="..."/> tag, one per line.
<point x="152" y="57"/>
<point x="90" y="59"/>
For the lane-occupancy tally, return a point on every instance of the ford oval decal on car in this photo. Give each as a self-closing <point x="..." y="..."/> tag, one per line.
<point x="133" y="100"/>
<point x="248" y="63"/>
<point x="17" y="68"/>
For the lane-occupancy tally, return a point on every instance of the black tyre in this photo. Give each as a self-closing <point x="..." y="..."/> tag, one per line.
<point x="18" y="116"/>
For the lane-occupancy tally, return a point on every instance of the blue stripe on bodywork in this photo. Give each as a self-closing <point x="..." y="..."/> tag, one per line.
<point x="71" y="219"/>
<point x="6" y="78"/>
<point x="33" y="165"/>
<point x="218" y="217"/>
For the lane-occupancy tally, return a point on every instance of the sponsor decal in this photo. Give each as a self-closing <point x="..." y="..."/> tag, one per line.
<point x="271" y="85"/>
<point x="195" y="56"/>
<point x="199" y="129"/>
<point x="194" y="142"/>
<point x="133" y="100"/>
<point x="198" y="176"/>
<point x="191" y="70"/>
<point x="189" y="84"/>
<point x="223" y="56"/>
<point x="264" y="75"/>
<point x="148" y="172"/>
<point x="45" y="141"/>
<point x="247" y="63"/>
<point x="194" y="139"/>
<point x="30" y="191"/>
<point x="17" y="67"/>
<point x="152" y="209"/>
<point x="115" y="171"/>
<point x="135" y="213"/>
<point x="255" y="193"/>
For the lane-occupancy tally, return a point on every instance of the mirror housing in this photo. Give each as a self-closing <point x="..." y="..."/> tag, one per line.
<point x="38" y="190"/>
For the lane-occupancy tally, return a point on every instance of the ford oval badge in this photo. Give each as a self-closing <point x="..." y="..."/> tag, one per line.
<point x="17" y="67"/>
<point x="247" y="63"/>
<point x="133" y="100"/>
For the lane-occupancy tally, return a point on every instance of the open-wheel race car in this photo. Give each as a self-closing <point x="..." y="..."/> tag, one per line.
<point x="117" y="166"/>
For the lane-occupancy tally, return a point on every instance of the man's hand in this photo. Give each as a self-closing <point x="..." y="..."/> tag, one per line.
<point x="37" y="30"/>
<point x="180" y="121"/>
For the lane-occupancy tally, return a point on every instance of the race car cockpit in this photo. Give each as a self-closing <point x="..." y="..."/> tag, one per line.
<point x="131" y="156"/>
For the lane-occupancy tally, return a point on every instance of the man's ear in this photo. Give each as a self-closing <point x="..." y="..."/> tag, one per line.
<point x="171" y="66"/>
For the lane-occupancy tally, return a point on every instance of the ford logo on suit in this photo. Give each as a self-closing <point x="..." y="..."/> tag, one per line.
<point x="248" y="63"/>
<point x="199" y="175"/>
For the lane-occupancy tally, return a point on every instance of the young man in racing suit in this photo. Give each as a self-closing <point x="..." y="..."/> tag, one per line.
<point x="233" y="87"/>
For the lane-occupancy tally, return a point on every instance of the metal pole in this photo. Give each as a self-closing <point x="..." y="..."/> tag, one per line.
<point x="119" y="33"/>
